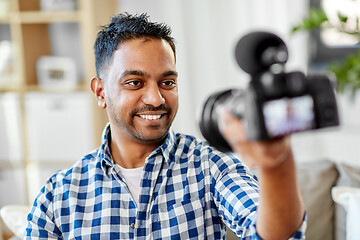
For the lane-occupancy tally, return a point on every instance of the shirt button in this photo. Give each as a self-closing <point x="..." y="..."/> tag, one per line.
<point x="132" y="225"/>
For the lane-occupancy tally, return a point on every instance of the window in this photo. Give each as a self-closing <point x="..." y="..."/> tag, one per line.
<point x="348" y="9"/>
<point x="328" y="44"/>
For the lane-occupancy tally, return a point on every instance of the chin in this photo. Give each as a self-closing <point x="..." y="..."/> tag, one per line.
<point x="152" y="138"/>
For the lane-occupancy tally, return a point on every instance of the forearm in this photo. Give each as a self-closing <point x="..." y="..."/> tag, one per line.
<point x="281" y="209"/>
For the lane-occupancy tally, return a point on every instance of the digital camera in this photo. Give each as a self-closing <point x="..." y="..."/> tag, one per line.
<point x="276" y="103"/>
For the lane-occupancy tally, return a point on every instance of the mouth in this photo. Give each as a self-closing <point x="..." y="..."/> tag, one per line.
<point x="150" y="116"/>
<point x="153" y="117"/>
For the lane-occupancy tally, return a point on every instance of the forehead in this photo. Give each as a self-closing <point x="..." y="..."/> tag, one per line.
<point x="148" y="55"/>
<point x="145" y="49"/>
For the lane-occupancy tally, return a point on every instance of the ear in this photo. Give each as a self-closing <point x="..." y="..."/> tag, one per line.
<point x="98" y="88"/>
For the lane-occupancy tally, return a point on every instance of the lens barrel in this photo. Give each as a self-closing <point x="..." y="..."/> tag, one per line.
<point x="209" y="119"/>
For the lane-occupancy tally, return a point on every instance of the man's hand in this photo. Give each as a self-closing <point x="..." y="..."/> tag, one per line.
<point x="264" y="154"/>
<point x="281" y="210"/>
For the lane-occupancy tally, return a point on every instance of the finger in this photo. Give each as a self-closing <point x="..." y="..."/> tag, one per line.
<point x="231" y="127"/>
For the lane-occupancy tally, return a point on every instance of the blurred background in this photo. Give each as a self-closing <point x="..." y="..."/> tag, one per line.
<point x="48" y="116"/>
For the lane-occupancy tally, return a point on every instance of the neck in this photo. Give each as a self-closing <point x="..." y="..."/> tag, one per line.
<point x="129" y="153"/>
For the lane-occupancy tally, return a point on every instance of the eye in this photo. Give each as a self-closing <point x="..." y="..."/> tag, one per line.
<point x="133" y="84"/>
<point x="168" y="84"/>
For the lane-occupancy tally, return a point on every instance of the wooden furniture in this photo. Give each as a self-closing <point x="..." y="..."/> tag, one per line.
<point x="27" y="28"/>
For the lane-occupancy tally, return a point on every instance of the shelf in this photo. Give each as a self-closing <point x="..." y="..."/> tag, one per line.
<point x="8" y="164"/>
<point x="38" y="88"/>
<point x="9" y="82"/>
<point x="29" y="17"/>
<point x="4" y="19"/>
<point x="80" y="87"/>
<point x="9" y="89"/>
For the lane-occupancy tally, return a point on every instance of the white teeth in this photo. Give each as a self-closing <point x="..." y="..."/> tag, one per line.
<point x="150" y="117"/>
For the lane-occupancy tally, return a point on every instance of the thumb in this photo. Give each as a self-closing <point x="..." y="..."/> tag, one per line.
<point x="231" y="127"/>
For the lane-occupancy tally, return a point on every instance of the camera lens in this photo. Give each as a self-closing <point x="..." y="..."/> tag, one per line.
<point x="208" y="123"/>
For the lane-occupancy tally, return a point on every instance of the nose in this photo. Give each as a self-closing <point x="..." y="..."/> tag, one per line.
<point x="152" y="96"/>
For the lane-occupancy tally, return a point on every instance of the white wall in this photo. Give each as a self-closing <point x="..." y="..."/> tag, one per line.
<point x="340" y="144"/>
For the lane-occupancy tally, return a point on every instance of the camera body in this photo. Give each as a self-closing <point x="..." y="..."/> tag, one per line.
<point x="276" y="103"/>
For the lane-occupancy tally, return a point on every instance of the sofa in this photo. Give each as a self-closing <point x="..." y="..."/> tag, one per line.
<point x="326" y="219"/>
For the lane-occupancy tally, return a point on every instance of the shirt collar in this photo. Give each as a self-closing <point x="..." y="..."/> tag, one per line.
<point x="104" y="154"/>
<point x="168" y="149"/>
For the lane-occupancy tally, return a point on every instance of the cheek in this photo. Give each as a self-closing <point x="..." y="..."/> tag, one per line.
<point x="173" y="101"/>
<point x="129" y="99"/>
<point x="122" y="99"/>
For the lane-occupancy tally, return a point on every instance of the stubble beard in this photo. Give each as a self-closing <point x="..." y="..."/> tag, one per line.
<point x="129" y="128"/>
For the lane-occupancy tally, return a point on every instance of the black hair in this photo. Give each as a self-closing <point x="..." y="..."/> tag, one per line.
<point x="125" y="26"/>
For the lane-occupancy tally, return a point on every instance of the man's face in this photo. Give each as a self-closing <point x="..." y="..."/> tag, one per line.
<point x="141" y="91"/>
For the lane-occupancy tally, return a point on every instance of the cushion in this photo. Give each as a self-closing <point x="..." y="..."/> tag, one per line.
<point x="316" y="180"/>
<point x="348" y="176"/>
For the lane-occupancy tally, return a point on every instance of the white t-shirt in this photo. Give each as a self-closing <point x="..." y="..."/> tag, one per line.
<point x="133" y="178"/>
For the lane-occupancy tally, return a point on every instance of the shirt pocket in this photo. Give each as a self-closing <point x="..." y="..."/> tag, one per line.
<point x="187" y="218"/>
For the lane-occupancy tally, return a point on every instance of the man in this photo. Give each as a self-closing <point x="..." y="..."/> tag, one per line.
<point x="145" y="181"/>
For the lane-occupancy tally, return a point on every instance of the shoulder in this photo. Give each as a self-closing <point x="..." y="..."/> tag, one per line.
<point x="73" y="176"/>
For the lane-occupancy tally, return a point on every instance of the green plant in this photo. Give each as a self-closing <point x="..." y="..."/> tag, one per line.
<point x="347" y="71"/>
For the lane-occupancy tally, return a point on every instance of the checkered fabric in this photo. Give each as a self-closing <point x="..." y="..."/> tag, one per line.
<point x="188" y="191"/>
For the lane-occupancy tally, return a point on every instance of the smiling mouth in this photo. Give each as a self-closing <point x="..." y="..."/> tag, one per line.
<point x="150" y="117"/>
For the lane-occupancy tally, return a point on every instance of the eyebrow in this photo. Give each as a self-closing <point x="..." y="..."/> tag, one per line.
<point x="142" y="74"/>
<point x="170" y="73"/>
<point x="133" y="72"/>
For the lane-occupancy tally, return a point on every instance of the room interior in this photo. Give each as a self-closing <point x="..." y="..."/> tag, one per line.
<point x="42" y="106"/>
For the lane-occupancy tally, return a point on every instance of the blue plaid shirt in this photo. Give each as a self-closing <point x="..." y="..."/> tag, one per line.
<point x="188" y="191"/>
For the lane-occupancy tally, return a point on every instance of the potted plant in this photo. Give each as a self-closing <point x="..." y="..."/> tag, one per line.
<point x="346" y="70"/>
